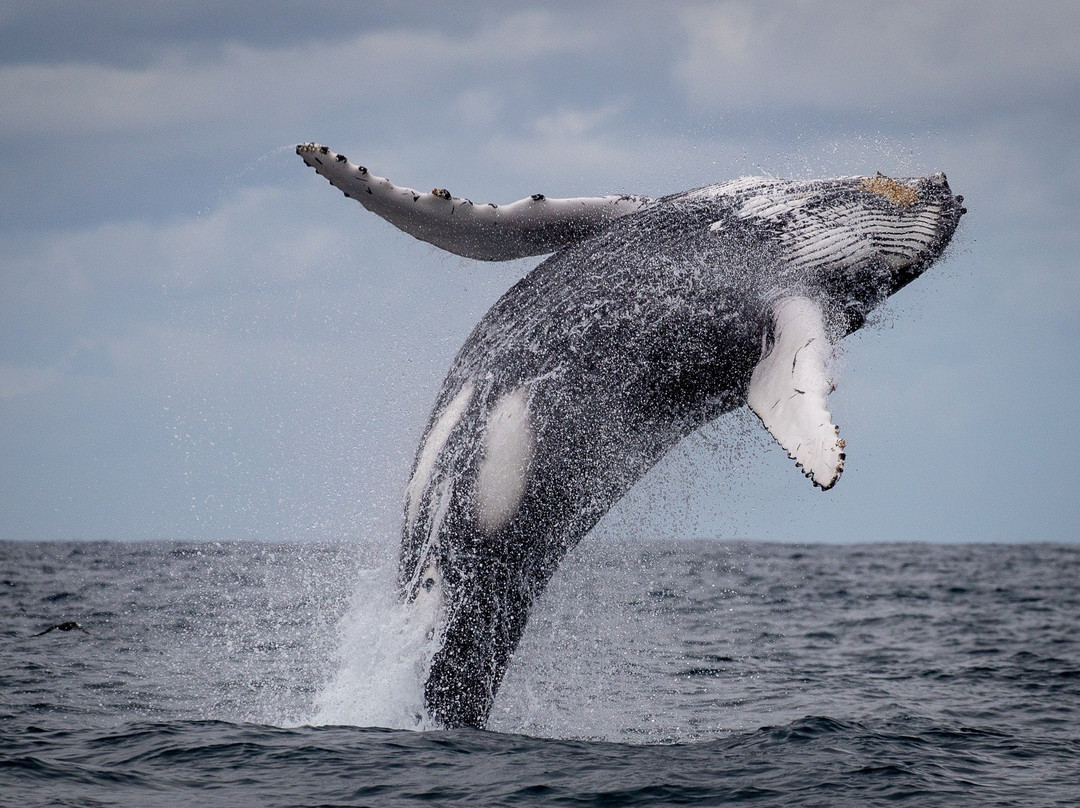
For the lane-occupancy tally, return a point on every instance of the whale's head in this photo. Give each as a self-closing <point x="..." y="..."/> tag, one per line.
<point x="849" y="242"/>
<point x="879" y="234"/>
<point x="914" y="223"/>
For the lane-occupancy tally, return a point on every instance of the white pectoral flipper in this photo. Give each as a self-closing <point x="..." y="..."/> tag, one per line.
<point x="489" y="232"/>
<point x="789" y="388"/>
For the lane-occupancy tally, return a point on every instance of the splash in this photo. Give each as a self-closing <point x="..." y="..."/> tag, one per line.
<point x="384" y="653"/>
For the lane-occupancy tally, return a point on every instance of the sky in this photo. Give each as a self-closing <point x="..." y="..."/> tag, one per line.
<point x="201" y="340"/>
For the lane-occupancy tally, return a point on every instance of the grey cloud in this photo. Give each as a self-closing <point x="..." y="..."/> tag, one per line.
<point x="241" y="83"/>
<point x="162" y="246"/>
<point x="939" y="57"/>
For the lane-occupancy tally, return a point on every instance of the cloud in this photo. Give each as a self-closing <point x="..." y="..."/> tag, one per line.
<point x="84" y="302"/>
<point x="285" y="327"/>
<point x="16" y="381"/>
<point x="920" y="57"/>
<point x="249" y="238"/>
<point x="268" y="84"/>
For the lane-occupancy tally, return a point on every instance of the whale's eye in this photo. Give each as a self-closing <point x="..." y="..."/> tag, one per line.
<point x="430" y="582"/>
<point x="768" y="340"/>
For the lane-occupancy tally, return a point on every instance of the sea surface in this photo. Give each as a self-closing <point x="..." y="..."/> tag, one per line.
<point x="653" y="673"/>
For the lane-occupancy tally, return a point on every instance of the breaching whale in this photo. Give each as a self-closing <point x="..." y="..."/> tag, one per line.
<point x="652" y="318"/>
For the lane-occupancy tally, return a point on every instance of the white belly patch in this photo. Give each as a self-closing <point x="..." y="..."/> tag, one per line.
<point x="508" y="449"/>
<point x="434" y="444"/>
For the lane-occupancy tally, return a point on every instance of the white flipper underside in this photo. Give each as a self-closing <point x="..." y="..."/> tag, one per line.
<point x="531" y="226"/>
<point x="789" y="388"/>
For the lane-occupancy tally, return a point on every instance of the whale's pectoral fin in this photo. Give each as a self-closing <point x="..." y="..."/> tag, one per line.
<point x="531" y="226"/>
<point x="789" y="387"/>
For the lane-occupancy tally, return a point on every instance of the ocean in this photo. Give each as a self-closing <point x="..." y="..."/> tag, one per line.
<point x="653" y="673"/>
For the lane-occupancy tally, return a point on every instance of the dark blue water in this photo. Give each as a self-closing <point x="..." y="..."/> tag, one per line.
<point x="653" y="673"/>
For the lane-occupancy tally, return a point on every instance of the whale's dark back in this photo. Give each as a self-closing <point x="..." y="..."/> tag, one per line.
<point x="622" y="345"/>
<point x="627" y="342"/>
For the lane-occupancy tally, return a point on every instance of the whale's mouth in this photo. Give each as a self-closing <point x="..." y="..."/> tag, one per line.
<point x="940" y="218"/>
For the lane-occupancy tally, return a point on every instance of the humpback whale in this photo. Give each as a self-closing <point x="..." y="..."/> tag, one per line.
<point x="651" y="318"/>
<point x="68" y="625"/>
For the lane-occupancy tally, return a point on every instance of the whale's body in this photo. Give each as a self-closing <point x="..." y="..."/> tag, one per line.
<point x="652" y="318"/>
